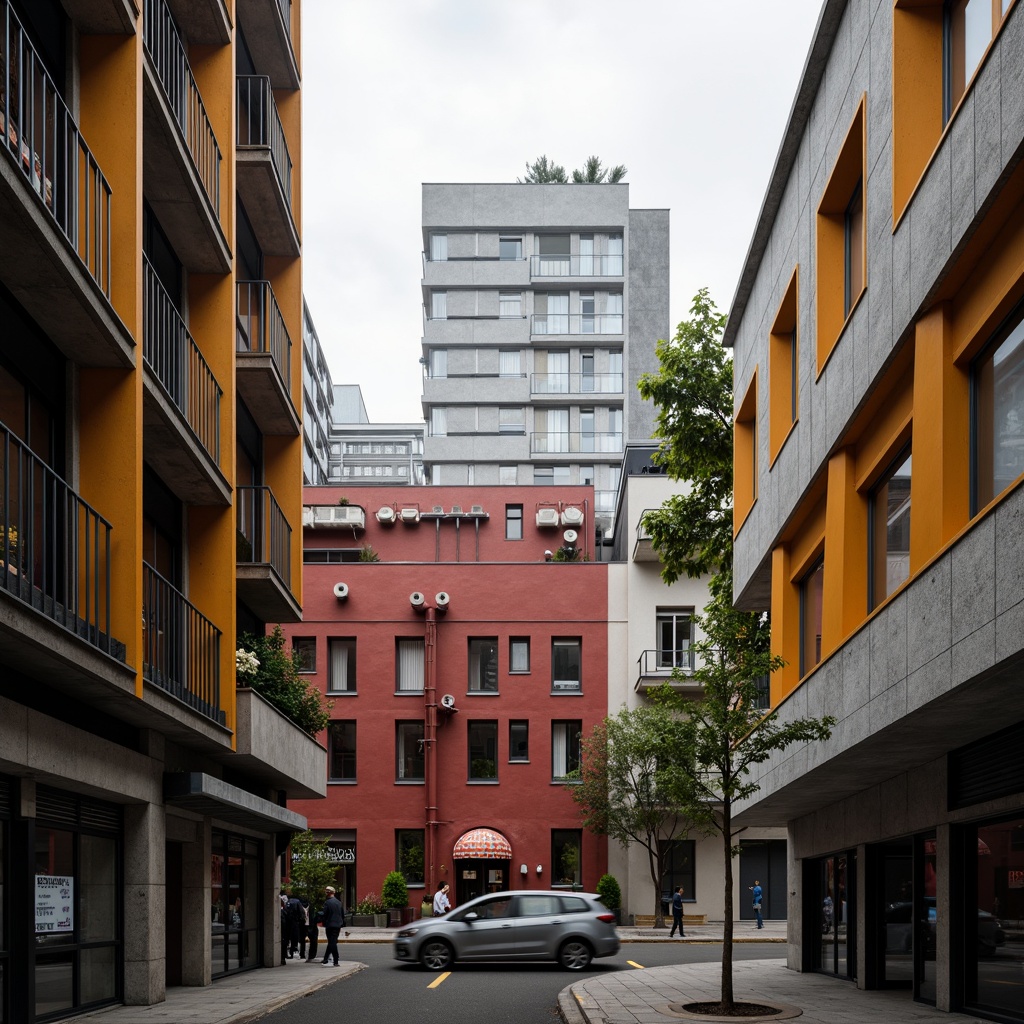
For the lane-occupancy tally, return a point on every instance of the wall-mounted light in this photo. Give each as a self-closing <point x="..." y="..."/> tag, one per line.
<point x="523" y="869"/>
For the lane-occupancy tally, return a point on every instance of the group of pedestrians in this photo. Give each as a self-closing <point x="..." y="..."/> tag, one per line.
<point x="300" y="927"/>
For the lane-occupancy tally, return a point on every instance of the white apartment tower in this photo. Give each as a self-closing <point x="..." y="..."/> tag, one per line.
<point x="542" y="306"/>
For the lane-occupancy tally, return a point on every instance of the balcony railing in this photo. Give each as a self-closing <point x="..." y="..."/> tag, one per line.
<point x="165" y="48"/>
<point x="261" y="327"/>
<point x="576" y="266"/>
<point x="604" y="501"/>
<point x="54" y="547"/>
<point x="175" y="360"/>
<point x="553" y="443"/>
<point x="43" y="140"/>
<point x="259" y="124"/>
<point x="577" y="323"/>
<point x="662" y="662"/>
<point x="180" y="646"/>
<point x="575" y="383"/>
<point x="264" y="535"/>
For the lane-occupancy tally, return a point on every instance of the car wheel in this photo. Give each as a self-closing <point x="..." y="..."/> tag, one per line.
<point x="436" y="955"/>
<point x="575" y="955"/>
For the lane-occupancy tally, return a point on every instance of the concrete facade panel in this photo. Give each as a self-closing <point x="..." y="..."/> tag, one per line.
<point x="1011" y="73"/>
<point x="1009" y="565"/>
<point x="962" y="168"/>
<point x="930" y="227"/>
<point x="973" y="580"/>
<point x="929" y="614"/>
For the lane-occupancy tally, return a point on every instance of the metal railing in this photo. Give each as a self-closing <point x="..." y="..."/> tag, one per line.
<point x="261" y="327"/>
<point x="575" y="265"/>
<point x="259" y="124"/>
<point x="576" y="323"/>
<point x="54" y="547"/>
<point x="43" y="140"/>
<point x="553" y="442"/>
<point x="165" y="48"/>
<point x="180" y="646"/>
<point x="264" y="535"/>
<point x="575" y="383"/>
<point x="173" y="356"/>
<point x="662" y="662"/>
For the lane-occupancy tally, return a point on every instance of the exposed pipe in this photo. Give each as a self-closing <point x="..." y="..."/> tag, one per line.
<point x="430" y="742"/>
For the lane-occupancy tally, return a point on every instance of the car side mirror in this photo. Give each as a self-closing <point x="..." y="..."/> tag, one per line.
<point x="471" y="917"/>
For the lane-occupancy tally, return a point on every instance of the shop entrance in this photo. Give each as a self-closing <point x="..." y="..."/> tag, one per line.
<point x="481" y="859"/>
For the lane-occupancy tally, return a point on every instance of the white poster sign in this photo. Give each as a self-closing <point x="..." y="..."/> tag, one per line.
<point x="55" y="903"/>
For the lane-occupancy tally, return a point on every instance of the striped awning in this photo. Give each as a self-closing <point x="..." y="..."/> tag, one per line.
<point x="482" y="842"/>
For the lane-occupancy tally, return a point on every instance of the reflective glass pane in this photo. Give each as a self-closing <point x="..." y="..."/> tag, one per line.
<point x="98" y="890"/>
<point x="98" y="980"/>
<point x="890" y="534"/>
<point x="54" y="983"/>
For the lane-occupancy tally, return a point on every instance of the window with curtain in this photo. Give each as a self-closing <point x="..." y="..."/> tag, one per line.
<point x="438" y="305"/>
<point x="511" y="421"/>
<point x="565" y="748"/>
<point x="566" y="664"/>
<point x="611" y="322"/>
<point x="409" y="659"/>
<point x="587" y="313"/>
<point x="586" y="256"/>
<point x="508" y="476"/>
<point x="483" y="664"/>
<point x="409" y="751"/>
<point x="614" y="378"/>
<point x="613" y="439"/>
<point x="519" y="654"/>
<point x="510" y="304"/>
<point x="438" y="421"/>
<point x="586" y="430"/>
<point x="342" y="675"/>
<point x="509" y="364"/>
<point x="613" y="259"/>
<point x="587" y="381"/>
<point x="341" y="751"/>
<point x="438" y="248"/>
<point x="438" y="363"/>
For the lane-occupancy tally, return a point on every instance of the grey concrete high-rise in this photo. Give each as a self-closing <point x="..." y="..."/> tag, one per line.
<point x="542" y="306"/>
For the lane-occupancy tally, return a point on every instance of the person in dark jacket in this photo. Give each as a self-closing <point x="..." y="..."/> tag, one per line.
<point x="313" y="932"/>
<point x="295" y="919"/>
<point x="677" y="912"/>
<point x="334" y="921"/>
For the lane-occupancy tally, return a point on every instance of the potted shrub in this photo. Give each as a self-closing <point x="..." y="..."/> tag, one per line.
<point x="395" y="894"/>
<point x="370" y="912"/>
<point x="611" y="895"/>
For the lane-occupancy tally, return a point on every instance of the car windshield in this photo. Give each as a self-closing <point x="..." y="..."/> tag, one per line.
<point x="484" y="909"/>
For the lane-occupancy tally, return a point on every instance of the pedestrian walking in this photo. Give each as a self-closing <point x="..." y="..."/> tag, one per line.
<point x="313" y="933"/>
<point x="334" y="921"/>
<point x="441" y="902"/>
<point x="757" y="893"/>
<point x="295" y="919"/>
<point x="677" y="912"/>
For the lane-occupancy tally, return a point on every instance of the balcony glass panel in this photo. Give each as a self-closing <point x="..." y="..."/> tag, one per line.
<point x="44" y="143"/>
<point x="576" y="265"/>
<point x="577" y="323"/>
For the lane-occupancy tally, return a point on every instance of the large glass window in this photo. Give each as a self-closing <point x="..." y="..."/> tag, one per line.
<point x="830" y="913"/>
<point x="305" y="648"/>
<point x="998" y="413"/>
<point x="810" y="616"/>
<point x="675" y="638"/>
<point x="235" y="880"/>
<point x="409" y="751"/>
<point x="513" y="522"/>
<point x="970" y="25"/>
<point x="409" y="854"/>
<point x="853" y="249"/>
<point x="342" y="678"/>
<point x="438" y="363"/>
<point x="566" y="664"/>
<point x="510" y="248"/>
<point x="438" y="248"/>
<point x="889" y="540"/>
<point x="680" y="858"/>
<point x="409" y="665"/>
<point x="565" y="748"/>
<point x="566" y="858"/>
<point x="438" y="305"/>
<point x="341" y="751"/>
<point x="483" y="664"/>
<point x="510" y="304"/>
<point x="483" y="751"/>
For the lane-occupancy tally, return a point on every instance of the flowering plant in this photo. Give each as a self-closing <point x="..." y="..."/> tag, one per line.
<point x="11" y="535"/>
<point x="246" y="663"/>
<point x="371" y="903"/>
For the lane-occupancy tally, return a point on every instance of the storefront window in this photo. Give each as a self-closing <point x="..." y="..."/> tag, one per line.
<point x="235" y="904"/>
<point x="830" y="914"/>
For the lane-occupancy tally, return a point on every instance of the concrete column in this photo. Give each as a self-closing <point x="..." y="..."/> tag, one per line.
<point x="861" y="911"/>
<point x="144" y="968"/>
<point x="794" y="903"/>
<point x="943" y="939"/>
<point x="196" y="912"/>
<point x="271" y="889"/>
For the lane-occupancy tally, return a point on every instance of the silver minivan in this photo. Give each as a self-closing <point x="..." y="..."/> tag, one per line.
<point x="570" y="927"/>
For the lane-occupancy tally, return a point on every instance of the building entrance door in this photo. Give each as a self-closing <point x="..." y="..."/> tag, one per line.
<point x="476" y="877"/>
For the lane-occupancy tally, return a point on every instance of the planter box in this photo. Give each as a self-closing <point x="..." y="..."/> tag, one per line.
<point x="380" y="920"/>
<point x="362" y="921"/>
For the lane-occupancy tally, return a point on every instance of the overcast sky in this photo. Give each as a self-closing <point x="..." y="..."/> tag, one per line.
<point x="691" y="95"/>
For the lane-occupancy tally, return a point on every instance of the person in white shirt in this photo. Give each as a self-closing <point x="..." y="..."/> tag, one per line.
<point x="441" y="904"/>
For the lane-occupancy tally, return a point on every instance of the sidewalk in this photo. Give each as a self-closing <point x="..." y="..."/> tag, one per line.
<point x="656" y="994"/>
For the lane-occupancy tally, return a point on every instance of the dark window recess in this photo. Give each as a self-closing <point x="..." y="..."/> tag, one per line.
<point x="47" y="27"/>
<point x="250" y="256"/>
<point x="988" y="768"/>
<point x="162" y="257"/>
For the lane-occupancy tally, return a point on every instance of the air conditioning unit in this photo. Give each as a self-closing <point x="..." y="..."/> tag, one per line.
<point x="448" y="701"/>
<point x="339" y="515"/>
<point x="547" y="517"/>
<point x="572" y="516"/>
<point x="410" y="515"/>
<point x="341" y="591"/>
<point x="386" y="515"/>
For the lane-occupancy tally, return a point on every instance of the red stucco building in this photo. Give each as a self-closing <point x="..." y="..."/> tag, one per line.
<point x="461" y="708"/>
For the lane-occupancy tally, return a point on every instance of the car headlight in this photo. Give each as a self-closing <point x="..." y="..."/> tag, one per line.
<point x="407" y="933"/>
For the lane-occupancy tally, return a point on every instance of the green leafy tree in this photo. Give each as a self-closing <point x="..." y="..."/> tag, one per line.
<point x="277" y="679"/>
<point x="312" y="870"/>
<point x="543" y="172"/>
<point x="633" y="785"/>
<point x="394" y="892"/>
<point x="592" y="173"/>
<point x="725" y="733"/>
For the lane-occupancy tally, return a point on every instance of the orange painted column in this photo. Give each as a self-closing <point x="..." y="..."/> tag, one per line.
<point x="845" y="598"/>
<point x="785" y="625"/>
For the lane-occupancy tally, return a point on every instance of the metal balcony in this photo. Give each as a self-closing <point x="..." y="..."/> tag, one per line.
<point x="54" y="547"/>
<point x="574" y="442"/>
<point x="643" y="547"/>
<point x="267" y="25"/>
<point x="54" y="210"/>
<point x="264" y="555"/>
<point x="180" y="646"/>
<point x="264" y="167"/>
<point x="264" y="361"/>
<point x="575" y="383"/>
<point x="574" y="265"/>
<point x="576" y="323"/>
<point x="656" y="667"/>
<point x="183" y="417"/>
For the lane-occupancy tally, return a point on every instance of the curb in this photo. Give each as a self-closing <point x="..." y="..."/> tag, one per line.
<point x="570" y="1009"/>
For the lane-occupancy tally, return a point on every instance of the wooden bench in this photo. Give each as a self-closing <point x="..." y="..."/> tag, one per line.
<point x="647" y="920"/>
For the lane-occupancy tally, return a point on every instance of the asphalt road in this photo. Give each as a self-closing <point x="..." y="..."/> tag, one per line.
<point x="388" y="992"/>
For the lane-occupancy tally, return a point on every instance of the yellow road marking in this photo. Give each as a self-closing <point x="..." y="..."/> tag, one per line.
<point x="633" y="963"/>
<point x="437" y="981"/>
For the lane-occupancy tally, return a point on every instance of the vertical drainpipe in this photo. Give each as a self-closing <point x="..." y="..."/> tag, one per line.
<point x="430" y="743"/>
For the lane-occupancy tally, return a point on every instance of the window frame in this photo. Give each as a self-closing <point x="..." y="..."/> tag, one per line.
<point x="521" y="725"/>
<point x="784" y="369"/>
<point x="479" y="726"/>
<point x="349" y="643"/>
<point x="817" y="565"/>
<point x="403" y="760"/>
<point x="399" y="688"/>
<point x="512" y="642"/>
<point x="516" y="240"/>
<point x="896" y="463"/>
<point x="302" y="646"/>
<point x="513" y="515"/>
<point x="400" y="835"/>
<point x="566" y="642"/>
<point x="563" y="837"/>
<point x="477" y="645"/>
<point x="573" y="728"/>
<point x="675" y="615"/>
<point x="344" y="755"/>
